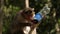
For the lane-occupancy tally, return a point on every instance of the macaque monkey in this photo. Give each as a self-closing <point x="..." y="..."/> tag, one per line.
<point x="23" y="22"/>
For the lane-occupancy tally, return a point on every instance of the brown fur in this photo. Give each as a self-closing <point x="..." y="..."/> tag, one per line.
<point x="20" y="22"/>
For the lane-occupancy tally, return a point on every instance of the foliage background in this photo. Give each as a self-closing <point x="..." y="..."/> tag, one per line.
<point x="48" y="24"/>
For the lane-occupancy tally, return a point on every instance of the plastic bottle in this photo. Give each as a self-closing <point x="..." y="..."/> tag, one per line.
<point x="43" y="12"/>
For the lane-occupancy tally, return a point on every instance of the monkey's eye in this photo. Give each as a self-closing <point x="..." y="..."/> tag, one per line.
<point x="28" y="12"/>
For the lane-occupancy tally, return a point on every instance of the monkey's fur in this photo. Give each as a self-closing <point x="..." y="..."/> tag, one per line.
<point x="20" y="21"/>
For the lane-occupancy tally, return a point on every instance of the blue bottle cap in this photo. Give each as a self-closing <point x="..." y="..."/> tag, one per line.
<point x="38" y="16"/>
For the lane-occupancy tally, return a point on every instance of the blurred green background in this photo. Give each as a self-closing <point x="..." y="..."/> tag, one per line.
<point x="49" y="25"/>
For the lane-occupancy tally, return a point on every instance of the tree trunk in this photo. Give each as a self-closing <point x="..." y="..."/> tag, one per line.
<point x="0" y="22"/>
<point x="1" y="15"/>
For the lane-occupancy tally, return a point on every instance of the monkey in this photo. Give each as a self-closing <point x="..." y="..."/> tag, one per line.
<point x="23" y="22"/>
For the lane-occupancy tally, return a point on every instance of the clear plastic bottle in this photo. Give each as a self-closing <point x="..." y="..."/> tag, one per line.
<point x="43" y="12"/>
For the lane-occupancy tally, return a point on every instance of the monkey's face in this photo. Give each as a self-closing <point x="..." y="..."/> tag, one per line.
<point x="29" y="14"/>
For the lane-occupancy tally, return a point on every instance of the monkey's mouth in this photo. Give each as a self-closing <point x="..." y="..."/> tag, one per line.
<point x="34" y="21"/>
